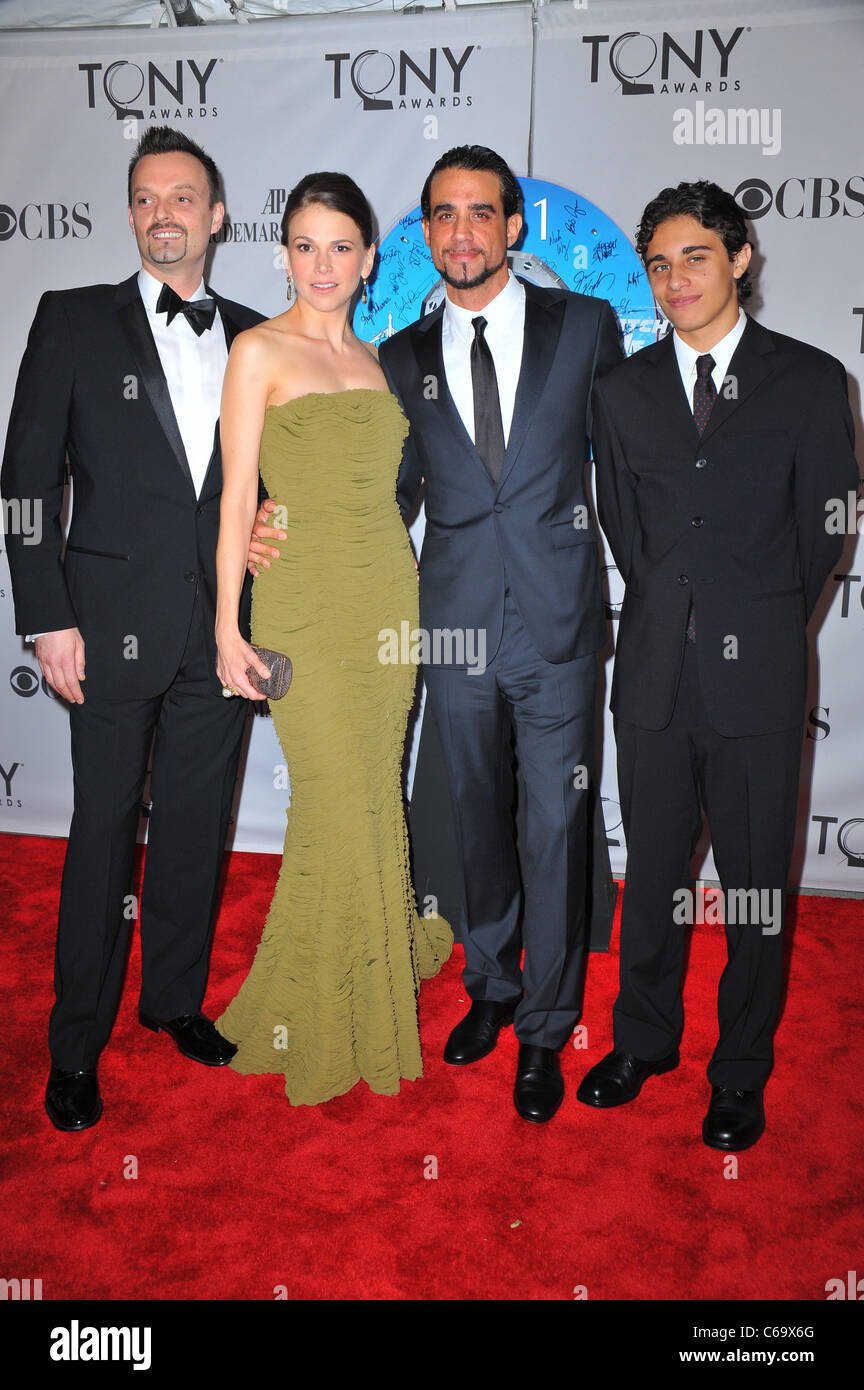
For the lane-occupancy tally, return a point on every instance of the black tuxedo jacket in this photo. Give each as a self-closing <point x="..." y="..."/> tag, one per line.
<point x="140" y="542"/>
<point x="477" y="531"/>
<point x="735" y="520"/>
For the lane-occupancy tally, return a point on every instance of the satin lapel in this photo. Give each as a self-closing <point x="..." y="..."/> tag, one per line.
<point x="750" y="364"/>
<point x="213" y="477"/>
<point x="430" y="359"/>
<point x="539" y="344"/>
<point x="133" y="317"/>
<point x="230" y="326"/>
<point x="662" y="380"/>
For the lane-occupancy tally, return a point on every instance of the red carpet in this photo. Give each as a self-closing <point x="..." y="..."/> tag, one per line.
<point x="239" y="1196"/>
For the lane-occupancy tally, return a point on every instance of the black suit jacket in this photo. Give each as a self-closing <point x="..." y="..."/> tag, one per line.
<point x="736" y="520"/>
<point x="476" y="530"/>
<point x="140" y="542"/>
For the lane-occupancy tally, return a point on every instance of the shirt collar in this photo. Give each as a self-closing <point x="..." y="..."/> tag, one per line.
<point x="507" y="303"/>
<point x="151" y="288"/>
<point x="721" y="351"/>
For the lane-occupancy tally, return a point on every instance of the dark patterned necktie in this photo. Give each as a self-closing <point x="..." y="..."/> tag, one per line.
<point x="488" y="429"/>
<point x="704" y="391"/>
<point x="704" y="396"/>
<point x="200" y="313"/>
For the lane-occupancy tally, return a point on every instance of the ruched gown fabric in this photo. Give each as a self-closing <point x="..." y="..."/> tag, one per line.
<point x="331" y="995"/>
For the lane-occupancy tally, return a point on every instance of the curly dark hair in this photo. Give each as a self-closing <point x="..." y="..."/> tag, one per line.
<point x="163" y="139"/>
<point x="477" y="159"/>
<point x="712" y="207"/>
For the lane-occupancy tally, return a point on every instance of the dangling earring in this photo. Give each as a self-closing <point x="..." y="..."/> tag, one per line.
<point x="289" y="284"/>
<point x="364" y="298"/>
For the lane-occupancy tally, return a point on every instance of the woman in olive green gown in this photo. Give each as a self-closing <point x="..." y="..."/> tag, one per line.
<point x="331" y="995"/>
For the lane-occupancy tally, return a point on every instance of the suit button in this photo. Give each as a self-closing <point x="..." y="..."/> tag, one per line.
<point x="199" y="511"/>
<point x="499" y="507"/>
<point x="701" y="463"/>
<point x="190" y="576"/>
<point x="696" y="521"/>
<point x="682" y="579"/>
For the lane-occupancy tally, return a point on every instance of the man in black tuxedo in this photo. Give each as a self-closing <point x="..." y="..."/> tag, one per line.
<point x="126" y="380"/>
<point x="718" y="450"/>
<point x="497" y="385"/>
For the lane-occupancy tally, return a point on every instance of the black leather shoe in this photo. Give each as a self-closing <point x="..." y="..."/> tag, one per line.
<point x="620" y="1077"/>
<point x="72" y="1099"/>
<point x="539" y="1088"/>
<point x="735" y="1119"/>
<point x="477" y="1034"/>
<point x="196" y="1037"/>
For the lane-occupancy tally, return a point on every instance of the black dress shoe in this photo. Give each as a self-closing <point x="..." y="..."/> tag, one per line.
<point x="620" y="1077"/>
<point x="196" y="1037"/>
<point x="477" y="1034"/>
<point x="735" y="1119"/>
<point x="72" y="1099"/>
<point x="539" y="1088"/>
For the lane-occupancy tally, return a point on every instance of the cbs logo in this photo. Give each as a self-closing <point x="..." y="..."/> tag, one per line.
<point x="27" y="682"/>
<point x="45" y="221"/>
<point x="809" y="197"/>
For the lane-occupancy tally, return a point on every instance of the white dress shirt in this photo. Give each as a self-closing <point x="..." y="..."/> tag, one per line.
<point x="505" y="332"/>
<point x="194" y="367"/>
<point x="721" y="352"/>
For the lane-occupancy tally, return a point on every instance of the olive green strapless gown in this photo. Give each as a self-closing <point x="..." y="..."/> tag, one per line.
<point x="332" y="993"/>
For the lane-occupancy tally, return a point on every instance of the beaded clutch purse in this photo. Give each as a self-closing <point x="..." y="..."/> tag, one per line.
<point x="281" y="671"/>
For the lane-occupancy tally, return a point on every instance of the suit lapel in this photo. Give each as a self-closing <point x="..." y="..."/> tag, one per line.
<point x="540" y="340"/>
<point x="663" y="382"/>
<point x="750" y="364"/>
<point x="133" y="317"/>
<point x="539" y="344"/>
<point x="213" y="477"/>
<point x="430" y="360"/>
<point x="229" y="324"/>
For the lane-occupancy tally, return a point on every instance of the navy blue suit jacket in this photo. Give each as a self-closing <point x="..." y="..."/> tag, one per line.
<point x="523" y="527"/>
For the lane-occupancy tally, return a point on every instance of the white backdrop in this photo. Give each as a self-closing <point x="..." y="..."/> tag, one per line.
<point x="554" y="94"/>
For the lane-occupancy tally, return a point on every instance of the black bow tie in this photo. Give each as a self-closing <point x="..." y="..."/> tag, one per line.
<point x="199" y="312"/>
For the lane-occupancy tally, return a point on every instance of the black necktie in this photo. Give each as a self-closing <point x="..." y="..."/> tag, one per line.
<point x="199" y="312"/>
<point x="488" y="429"/>
<point x="704" y="396"/>
<point x="704" y="391"/>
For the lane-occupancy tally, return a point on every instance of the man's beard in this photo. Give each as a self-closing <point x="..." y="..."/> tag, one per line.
<point x="485" y="274"/>
<point x="170" y="250"/>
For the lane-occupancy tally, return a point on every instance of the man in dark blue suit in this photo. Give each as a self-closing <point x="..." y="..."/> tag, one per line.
<point x="497" y="386"/>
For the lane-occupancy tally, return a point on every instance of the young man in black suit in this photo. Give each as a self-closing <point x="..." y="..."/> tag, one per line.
<point x="717" y="452"/>
<point x="126" y="380"/>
